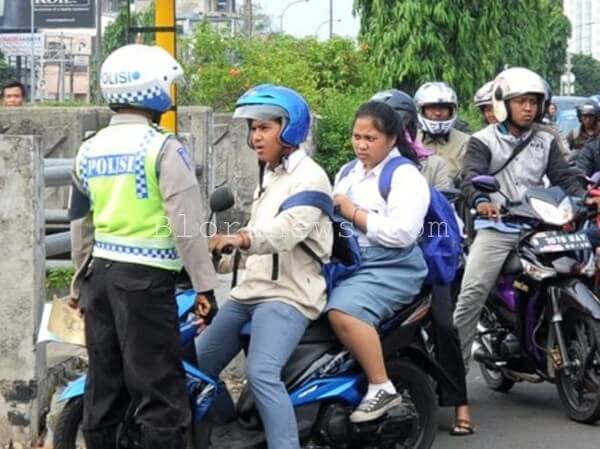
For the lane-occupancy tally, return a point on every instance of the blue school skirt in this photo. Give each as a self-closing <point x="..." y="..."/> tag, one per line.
<point x="388" y="280"/>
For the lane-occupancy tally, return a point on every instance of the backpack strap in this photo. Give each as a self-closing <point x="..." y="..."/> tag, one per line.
<point x="314" y="198"/>
<point x="346" y="169"/>
<point x="385" y="178"/>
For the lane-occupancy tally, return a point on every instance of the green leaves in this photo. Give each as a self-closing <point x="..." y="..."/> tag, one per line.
<point x="587" y="75"/>
<point x="463" y="42"/>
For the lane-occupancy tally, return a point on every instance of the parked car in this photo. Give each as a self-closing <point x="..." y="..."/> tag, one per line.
<point x="566" y="115"/>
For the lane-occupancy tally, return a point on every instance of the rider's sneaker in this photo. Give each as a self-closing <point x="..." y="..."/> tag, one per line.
<point x="371" y="409"/>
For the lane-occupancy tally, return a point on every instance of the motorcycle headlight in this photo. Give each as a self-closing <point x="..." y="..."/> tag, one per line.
<point x="535" y="271"/>
<point x="551" y="214"/>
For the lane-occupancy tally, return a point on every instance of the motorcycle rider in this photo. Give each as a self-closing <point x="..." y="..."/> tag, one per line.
<point x="433" y="167"/>
<point x="437" y="108"/>
<point x="445" y="336"/>
<point x="483" y="100"/>
<point x="519" y="156"/>
<point x="136" y="212"/>
<point x="588" y="113"/>
<point x="283" y="288"/>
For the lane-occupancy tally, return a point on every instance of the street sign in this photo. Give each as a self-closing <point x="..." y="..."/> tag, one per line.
<point x="19" y="44"/>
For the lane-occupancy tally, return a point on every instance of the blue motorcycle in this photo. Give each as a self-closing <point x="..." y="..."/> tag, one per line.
<point x="325" y="384"/>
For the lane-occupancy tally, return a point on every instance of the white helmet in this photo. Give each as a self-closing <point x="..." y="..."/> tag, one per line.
<point x="512" y="83"/>
<point x="436" y="93"/>
<point x="483" y="96"/>
<point x="139" y="76"/>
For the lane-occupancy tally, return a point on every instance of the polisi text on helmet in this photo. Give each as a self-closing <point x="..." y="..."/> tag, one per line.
<point x="114" y="78"/>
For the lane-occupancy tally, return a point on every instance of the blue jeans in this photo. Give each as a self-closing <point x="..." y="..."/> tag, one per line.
<point x="277" y="329"/>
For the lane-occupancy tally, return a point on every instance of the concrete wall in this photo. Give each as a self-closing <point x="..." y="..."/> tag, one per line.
<point x="22" y="366"/>
<point x="63" y="129"/>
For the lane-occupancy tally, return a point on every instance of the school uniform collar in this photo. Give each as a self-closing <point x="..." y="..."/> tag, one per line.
<point x="290" y="162"/>
<point x="360" y="168"/>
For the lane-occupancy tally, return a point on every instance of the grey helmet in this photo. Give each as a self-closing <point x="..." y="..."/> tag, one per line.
<point x="404" y="106"/>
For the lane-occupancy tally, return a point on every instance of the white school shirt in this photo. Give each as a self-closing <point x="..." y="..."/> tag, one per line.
<point x="397" y="223"/>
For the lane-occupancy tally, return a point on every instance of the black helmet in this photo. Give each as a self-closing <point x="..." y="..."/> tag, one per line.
<point x="403" y="104"/>
<point x="588" y="107"/>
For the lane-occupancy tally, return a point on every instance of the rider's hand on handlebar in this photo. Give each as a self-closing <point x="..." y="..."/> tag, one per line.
<point x="593" y="200"/>
<point x="489" y="210"/>
<point x="224" y="244"/>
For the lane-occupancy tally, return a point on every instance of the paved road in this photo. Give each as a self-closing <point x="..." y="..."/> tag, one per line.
<point x="528" y="417"/>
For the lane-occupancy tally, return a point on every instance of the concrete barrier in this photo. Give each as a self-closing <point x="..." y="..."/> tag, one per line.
<point x="23" y="381"/>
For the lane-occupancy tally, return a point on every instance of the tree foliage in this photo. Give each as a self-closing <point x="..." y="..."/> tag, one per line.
<point x="334" y="76"/>
<point x="463" y="42"/>
<point x="587" y="75"/>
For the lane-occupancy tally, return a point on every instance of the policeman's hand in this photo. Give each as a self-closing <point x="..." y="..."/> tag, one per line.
<point x="489" y="210"/>
<point x="73" y="303"/>
<point x="206" y="306"/>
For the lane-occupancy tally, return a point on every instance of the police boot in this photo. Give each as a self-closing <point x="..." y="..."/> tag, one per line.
<point x="101" y="439"/>
<point x="154" y="438"/>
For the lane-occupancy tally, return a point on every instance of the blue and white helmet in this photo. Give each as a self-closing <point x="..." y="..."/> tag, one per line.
<point x="434" y="93"/>
<point x="140" y="76"/>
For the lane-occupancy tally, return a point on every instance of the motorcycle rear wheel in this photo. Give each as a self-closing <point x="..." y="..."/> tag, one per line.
<point x="579" y="389"/>
<point x="410" y="380"/>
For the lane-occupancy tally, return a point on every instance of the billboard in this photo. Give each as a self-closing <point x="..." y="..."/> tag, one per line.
<point x="16" y="14"/>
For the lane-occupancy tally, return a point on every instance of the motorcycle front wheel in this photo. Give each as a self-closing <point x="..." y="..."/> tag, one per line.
<point x="67" y="434"/>
<point x="579" y="385"/>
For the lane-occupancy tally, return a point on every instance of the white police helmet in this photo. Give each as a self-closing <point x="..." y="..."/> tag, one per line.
<point x="140" y="76"/>
<point x="436" y="93"/>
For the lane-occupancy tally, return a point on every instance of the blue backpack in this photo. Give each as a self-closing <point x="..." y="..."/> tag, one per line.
<point x="345" y="256"/>
<point x="441" y="250"/>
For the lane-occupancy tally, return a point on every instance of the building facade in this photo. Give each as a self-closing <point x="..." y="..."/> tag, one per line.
<point x="585" y="22"/>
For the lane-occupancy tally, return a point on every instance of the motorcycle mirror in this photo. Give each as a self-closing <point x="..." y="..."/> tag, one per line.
<point x="221" y="199"/>
<point x="486" y="183"/>
<point x="595" y="178"/>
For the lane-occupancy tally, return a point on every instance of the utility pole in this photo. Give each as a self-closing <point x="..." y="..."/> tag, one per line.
<point x="330" y="19"/>
<point x="248" y="17"/>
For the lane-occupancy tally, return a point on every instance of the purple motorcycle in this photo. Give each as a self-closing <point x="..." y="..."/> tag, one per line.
<point x="541" y="322"/>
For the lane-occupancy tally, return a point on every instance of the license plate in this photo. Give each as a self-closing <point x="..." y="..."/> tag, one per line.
<point x="558" y="242"/>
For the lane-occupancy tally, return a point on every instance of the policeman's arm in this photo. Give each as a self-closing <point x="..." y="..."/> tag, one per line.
<point x="185" y="213"/>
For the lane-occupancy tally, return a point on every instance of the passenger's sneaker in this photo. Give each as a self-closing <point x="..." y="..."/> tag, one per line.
<point x="371" y="409"/>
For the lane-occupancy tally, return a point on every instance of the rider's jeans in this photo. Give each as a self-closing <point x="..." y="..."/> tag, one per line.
<point x="486" y="257"/>
<point x="276" y="331"/>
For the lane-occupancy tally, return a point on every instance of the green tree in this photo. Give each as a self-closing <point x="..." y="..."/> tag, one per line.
<point x="587" y="75"/>
<point x="115" y="36"/>
<point x="7" y="72"/>
<point x="334" y="76"/>
<point x="463" y="42"/>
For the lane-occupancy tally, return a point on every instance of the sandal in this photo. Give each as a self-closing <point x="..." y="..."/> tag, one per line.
<point x="462" y="427"/>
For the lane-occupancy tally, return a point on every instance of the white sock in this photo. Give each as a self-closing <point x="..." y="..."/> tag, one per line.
<point x="374" y="389"/>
